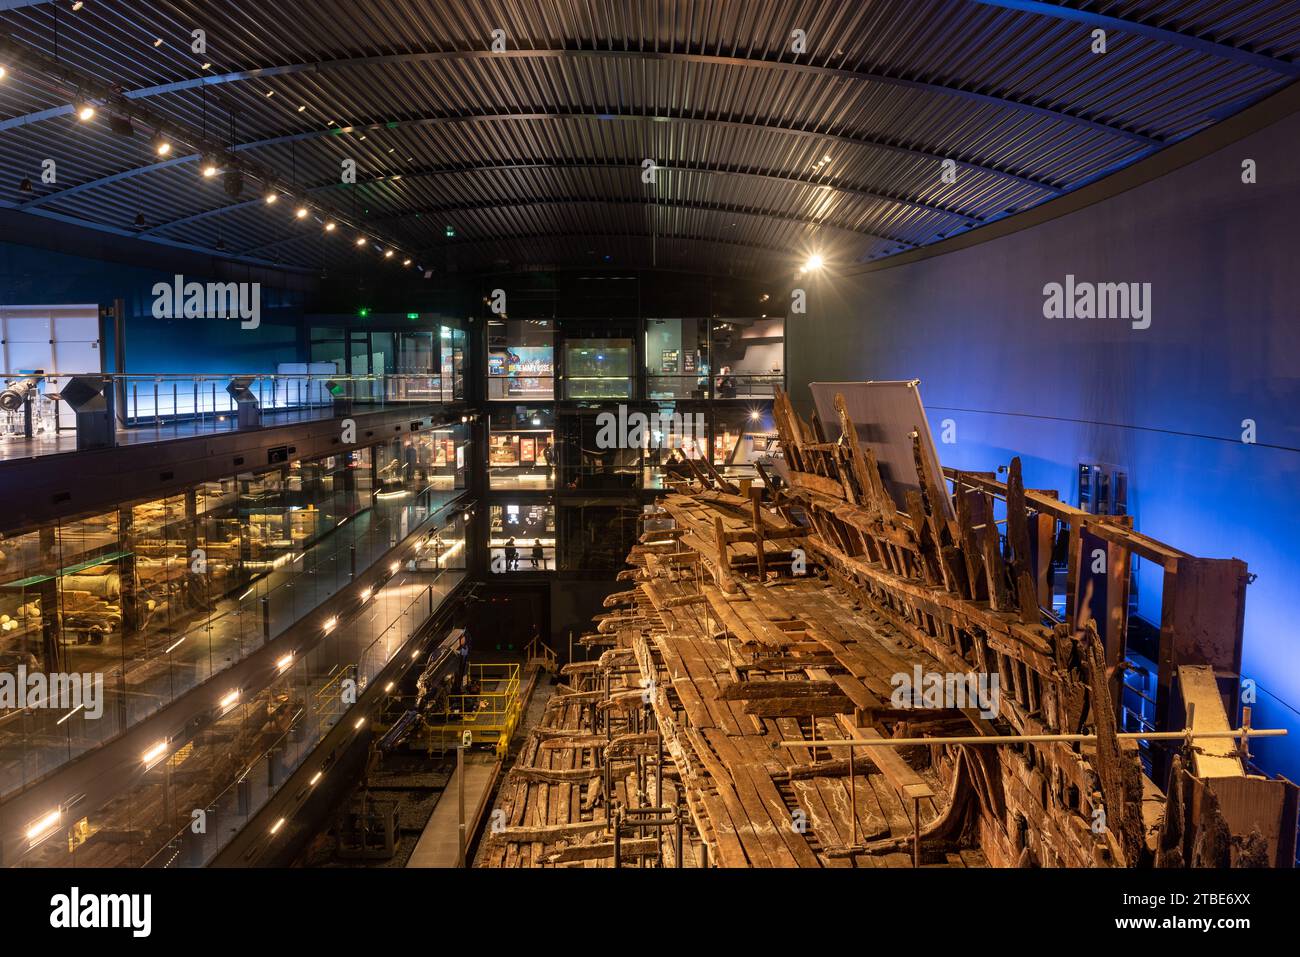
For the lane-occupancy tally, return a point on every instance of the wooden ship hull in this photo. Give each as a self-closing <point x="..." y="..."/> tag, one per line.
<point x="741" y="704"/>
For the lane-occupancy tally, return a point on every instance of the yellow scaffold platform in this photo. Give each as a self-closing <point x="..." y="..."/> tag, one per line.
<point x="489" y="713"/>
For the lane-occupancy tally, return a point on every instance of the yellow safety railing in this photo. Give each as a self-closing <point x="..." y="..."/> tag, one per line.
<point x="540" y="653"/>
<point x="489" y="714"/>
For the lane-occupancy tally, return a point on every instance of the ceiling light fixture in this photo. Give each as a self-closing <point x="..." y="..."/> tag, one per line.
<point x="84" y="110"/>
<point x="814" y="263"/>
<point x="388" y="254"/>
<point x="361" y="240"/>
<point x="210" y="167"/>
<point x="161" y="145"/>
<point x="3" y="71"/>
<point x="271" y="197"/>
<point x="330" y="227"/>
<point x="301" y="212"/>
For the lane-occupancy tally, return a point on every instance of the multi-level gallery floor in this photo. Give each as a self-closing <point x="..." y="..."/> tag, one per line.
<point x="446" y="441"/>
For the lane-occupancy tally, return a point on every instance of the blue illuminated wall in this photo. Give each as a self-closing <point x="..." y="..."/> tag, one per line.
<point x="1165" y="403"/>
<point x="39" y="276"/>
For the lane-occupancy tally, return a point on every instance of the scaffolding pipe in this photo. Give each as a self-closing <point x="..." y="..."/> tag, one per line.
<point x="1187" y="735"/>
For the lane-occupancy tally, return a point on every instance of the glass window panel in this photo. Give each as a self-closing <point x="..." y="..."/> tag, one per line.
<point x="520" y="359"/>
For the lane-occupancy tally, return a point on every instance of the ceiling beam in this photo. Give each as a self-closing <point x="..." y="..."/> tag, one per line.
<point x="895" y="79"/>
<point x="967" y="220"/>
<point x="915" y="152"/>
<point x="648" y="202"/>
<point x="969" y="164"/>
<point x="1188" y="41"/>
<point x="684" y="166"/>
<point x="775" y="251"/>
<point x="30" y="60"/>
<point x="158" y="240"/>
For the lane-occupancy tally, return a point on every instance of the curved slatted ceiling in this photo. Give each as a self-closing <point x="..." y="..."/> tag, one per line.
<point x="470" y="158"/>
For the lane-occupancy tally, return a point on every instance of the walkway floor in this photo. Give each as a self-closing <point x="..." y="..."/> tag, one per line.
<point x="439" y="845"/>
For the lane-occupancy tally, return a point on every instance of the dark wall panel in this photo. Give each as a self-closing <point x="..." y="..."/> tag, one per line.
<point x="1166" y="402"/>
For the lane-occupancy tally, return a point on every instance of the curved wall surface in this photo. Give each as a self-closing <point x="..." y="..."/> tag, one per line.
<point x="1166" y="403"/>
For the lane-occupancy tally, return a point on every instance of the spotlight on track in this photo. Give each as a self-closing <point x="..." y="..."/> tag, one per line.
<point x="361" y="240"/>
<point x="162" y="145"/>
<point x="406" y="262"/>
<point x="330" y="227"/>
<point x="210" y="166"/>
<point x="271" y="197"/>
<point x="388" y="254"/>
<point x="85" y="110"/>
<point x="301" y="212"/>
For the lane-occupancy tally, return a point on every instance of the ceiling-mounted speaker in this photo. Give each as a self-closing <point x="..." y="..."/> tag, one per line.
<point x="234" y="183"/>
<point x="121" y="125"/>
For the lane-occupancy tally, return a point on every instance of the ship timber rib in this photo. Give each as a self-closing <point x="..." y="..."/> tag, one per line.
<point x="829" y="586"/>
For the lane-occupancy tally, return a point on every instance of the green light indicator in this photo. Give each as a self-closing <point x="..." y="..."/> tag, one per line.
<point x="412" y="315"/>
<point x="363" y="312"/>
